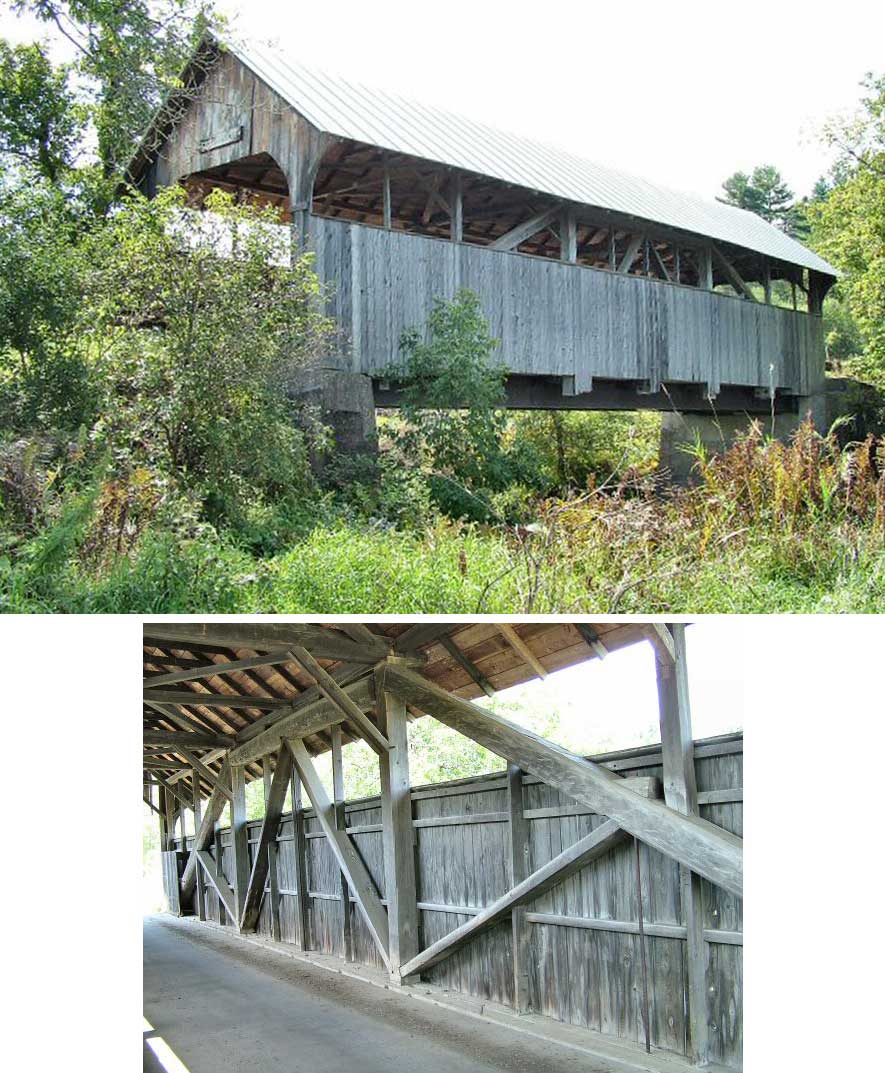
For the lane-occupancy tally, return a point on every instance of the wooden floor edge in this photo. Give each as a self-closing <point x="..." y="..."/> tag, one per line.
<point x="625" y="1056"/>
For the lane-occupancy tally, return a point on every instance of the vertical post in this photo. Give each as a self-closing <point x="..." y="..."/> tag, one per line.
<point x="766" y="281"/>
<point x="161" y="805"/>
<point x="568" y="224"/>
<point x="705" y="268"/>
<point x="272" y="875"/>
<point x="170" y="822"/>
<point x="519" y="870"/>
<point x="199" y="893"/>
<point x="388" y="208"/>
<point x="457" y="202"/>
<point x="612" y="250"/>
<point x="299" y="848"/>
<point x="680" y="793"/>
<point x="398" y="832"/>
<point x="219" y="858"/>
<point x="341" y="824"/>
<point x="239" y="837"/>
<point x="677" y="266"/>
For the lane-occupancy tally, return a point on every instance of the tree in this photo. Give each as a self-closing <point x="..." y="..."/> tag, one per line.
<point x="129" y="55"/>
<point x="849" y="224"/>
<point x="766" y="194"/>
<point x="41" y="122"/>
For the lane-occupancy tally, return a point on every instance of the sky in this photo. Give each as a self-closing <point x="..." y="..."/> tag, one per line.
<point x="681" y="93"/>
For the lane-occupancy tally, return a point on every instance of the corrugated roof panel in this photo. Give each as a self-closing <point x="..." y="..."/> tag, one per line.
<point x="350" y="110"/>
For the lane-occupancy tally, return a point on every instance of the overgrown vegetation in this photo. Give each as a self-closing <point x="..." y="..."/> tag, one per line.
<point x="151" y="460"/>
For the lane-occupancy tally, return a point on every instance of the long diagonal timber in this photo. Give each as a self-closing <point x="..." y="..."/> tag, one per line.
<point x="519" y="887"/>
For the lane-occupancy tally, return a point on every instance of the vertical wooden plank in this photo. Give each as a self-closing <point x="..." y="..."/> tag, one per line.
<point x="519" y="870"/>
<point x="680" y="793"/>
<point x="299" y="856"/>
<point x="397" y="832"/>
<point x="341" y="824"/>
<point x="388" y="209"/>
<point x="705" y="268"/>
<point x="161" y="805"/>
<point x="272" y="868"/>
<point x="239" y="836"/>
<point x="200" y="893"/>
<point x="169" y="810"/>
<point x="569" y="236"/>
<point x="457" y="203"/>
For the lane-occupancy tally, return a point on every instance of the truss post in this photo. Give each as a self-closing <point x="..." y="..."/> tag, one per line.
<point x="299" y="849"/>
<point x="239" y="838"/>
<point x="519" y="870"/>
<point x="199" y="895"/>
<point x="680" y="793"/>
<point x="273" y="874"/>
<point x="398" y="832"/>
<point x="341" y="825"/>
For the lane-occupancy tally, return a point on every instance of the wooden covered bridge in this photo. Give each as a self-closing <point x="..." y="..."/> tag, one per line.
<point x="605" y="290"/>
<point x="598" y="897"/>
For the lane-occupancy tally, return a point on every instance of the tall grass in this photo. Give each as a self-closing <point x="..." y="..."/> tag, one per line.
<point x="767" y="527"/>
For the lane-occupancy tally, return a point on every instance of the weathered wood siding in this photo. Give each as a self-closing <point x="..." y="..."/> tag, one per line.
<point x="556" y="319"/>
<point x="585" y="963"/>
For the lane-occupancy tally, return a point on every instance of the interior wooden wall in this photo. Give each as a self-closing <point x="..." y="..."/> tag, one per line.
<point x="585" y="958"/>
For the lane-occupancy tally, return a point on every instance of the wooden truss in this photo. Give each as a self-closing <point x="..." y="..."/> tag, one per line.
<point x="377" y="684"/>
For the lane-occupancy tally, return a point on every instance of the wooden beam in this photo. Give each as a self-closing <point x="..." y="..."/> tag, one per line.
<point x="422" y="633"/>
<point x="707" y="849"/>
<point x="151" y="805"/>
<point x="520" y="848"/>
<point x="341" y="825"/>
<point x="397" y="831"/>
<point x="468" y="665"/>
<point x="592" y="638"/>
<point x="174" y="739"/>
<point x="568" y="236"/>
<point x="333" y="692"/>
<point x="209" y="670"/>
<point x="680" y="793"/>
<point x="734" y="277"/>
<point x="299" y="848"/>
<point x="212" y="700"/>
<point x="350" y="862"/>
<point x="519" y="646"/>
<point x="565" y="864"/>
<point x="387" y="209"/>
<point x="304" y="719"/>
<point x="512" y="238"/>
<point x="662" y="642"/>
<point x="273" y="810"/>
<point x="172" y="792"/>
<point x="630" y="253"/>
<point x="222" y="888"/>
<point x="210" y="776"/>
<point x="322" y="642"/>
<point x="200" y="892"/>
<point x="215" y="805"/>
<point x="272" y="848"/>
<point x="457" y="201"/>
<point x="239" y="838"/>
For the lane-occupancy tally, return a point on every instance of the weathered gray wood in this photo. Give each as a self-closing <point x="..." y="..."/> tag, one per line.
<point x="569" y="236"/>
<point x="338" y="797"/>
<point x="299" y="849"/>
<point x="222" y="888"/>
<point x="334" y="693"/>
<point x="213" y="700"/>
<point x="272" y="848"/>
<point x="734" y="277"/>
<point x="520" y="848"/>
<point x="422" y="633"/>
<point x="680" y="793"/>
<point x="592" y="638"/>
<point x="561" y="867"/>
<point x="200" y="768"/>
<point x="215" y="805"/>
<point x="209" y="670"/>
<point x="350" y="862"/>
<point x="199" y="894"/>
<point x="707" y="849"/>
<point x="468" y="665"/>
<point x="662" y="642"/>
<point x="398" y="834"/>
<point x="239" y="838"/>
<point x="630" y="253"/>
<point x="323" y="642"/>
<point x="173" y="739"/>
<point x="512" y="238"/>
<point x="261" y="863"/>
<point x="304" y="719"/>
<point x="519" y="646"/>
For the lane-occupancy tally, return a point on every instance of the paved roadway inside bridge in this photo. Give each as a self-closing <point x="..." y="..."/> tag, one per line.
<point x="224" y="1006"/>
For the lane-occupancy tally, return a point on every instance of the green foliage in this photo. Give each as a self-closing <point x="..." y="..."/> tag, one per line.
<point x="41" y="122"/>
<point x="765" y="193"/>
<point x="452" y="397"/>
<point x="129" y="55"/>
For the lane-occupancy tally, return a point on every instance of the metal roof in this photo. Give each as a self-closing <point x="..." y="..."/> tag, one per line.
<point x="347" y="109"/>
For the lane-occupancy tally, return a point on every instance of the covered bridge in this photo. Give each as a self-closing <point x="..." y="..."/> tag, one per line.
<point x="606" y="291"/>
<point x="600" y="897"/>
